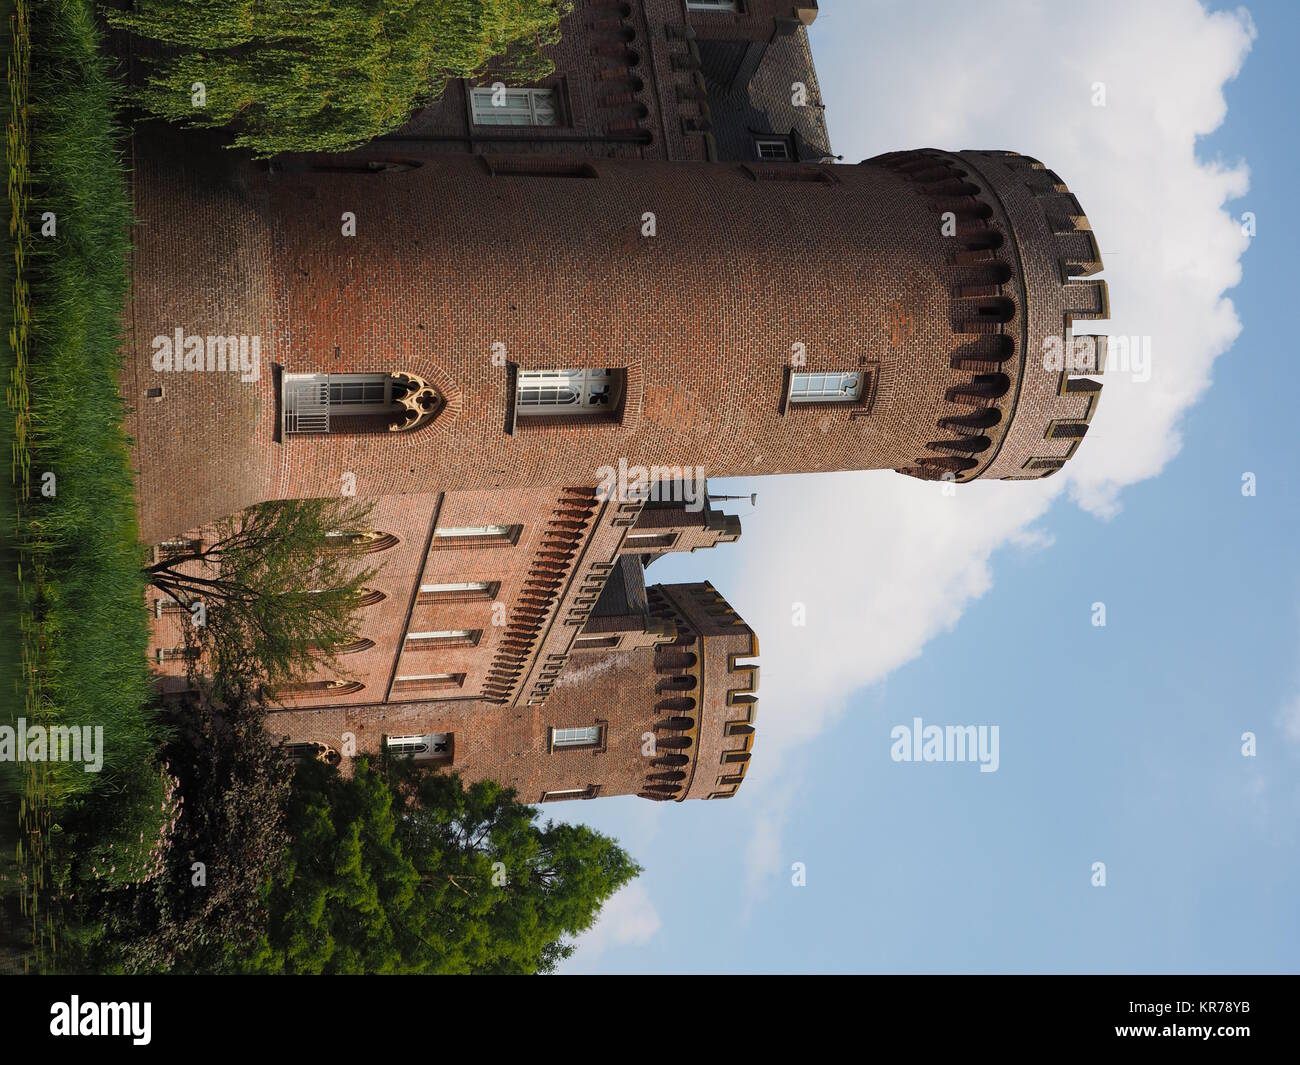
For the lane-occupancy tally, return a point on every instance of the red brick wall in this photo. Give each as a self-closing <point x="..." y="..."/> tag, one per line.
<point x="620" y="690"/>
<point x="449" y="261"/>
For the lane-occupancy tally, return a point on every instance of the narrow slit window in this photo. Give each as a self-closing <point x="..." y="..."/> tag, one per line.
<point x="430" y="680"/>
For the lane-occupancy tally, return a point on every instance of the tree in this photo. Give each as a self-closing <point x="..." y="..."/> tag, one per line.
<point x="205" y="904"/>
<point x="273" y="592"/>
<point x="408" y="871"/>
<point x="327" y="75"/>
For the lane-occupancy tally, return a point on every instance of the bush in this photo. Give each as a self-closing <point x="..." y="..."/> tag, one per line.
<point x="203" y="905"/>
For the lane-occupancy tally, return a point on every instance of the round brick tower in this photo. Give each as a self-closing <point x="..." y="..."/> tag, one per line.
<point x="907" y="313"/>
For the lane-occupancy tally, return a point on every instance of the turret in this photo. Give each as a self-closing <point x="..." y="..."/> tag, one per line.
<point x="532" y="321"/>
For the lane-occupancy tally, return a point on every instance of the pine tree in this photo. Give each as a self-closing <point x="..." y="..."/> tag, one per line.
<point x="407" y="871"/>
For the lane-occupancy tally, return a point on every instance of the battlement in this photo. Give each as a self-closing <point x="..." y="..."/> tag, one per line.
<point x="707" y="686"/>
<point x="1019" y="399"/>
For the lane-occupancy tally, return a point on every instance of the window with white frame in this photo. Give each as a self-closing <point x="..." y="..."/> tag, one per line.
<point x="173" y="548"/>
<point x="559" y="794"/>
<point x="172" y="654"/>
<point x="471" y="531"/>
<point x="445" y="636"/>
<point x="361" y="393"/>
<point x="457" y="588"/>
<point x="576" y="391"/>
<point x="475" y="535"/>
<point x="313" y="400"/>
<point x="712" y="5"/>
<point x="583" y="736"/>
<point x="432" y="746"/>
<point x="826" y="387"/>
<point x="772" y="148"/>
<point x="505" y="106"/>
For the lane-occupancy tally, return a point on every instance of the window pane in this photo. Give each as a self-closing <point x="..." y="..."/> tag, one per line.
<point x="514" y="107"/>
<point x="474" y="530"/>
<point x="828" y="387"/>
<point x="370" y="389"/>
<point x="458" y="586"/>
<point x="587" y="736"/>
<point x="568" y="391"/>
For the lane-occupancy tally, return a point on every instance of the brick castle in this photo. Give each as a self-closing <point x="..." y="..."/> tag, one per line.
<point x="528" y="325"/>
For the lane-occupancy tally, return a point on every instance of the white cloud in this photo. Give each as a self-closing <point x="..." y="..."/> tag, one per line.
<point x="629" y="918"/>
<point x="888" y="562"/>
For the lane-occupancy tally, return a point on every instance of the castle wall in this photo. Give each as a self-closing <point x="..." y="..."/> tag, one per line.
<point x="684" y="694"/>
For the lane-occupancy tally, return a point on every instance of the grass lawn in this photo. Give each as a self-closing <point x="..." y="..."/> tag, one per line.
<point x="73" y="560"/>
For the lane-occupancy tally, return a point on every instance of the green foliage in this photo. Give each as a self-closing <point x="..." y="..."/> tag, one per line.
<point x="74" y="556"/>
<point x="279" y="594"/>
<point x="327" y="75"/>
<point x="413" y="873"/>
<point x="81" y="543"/>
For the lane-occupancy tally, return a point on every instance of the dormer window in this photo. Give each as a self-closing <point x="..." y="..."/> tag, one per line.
<point x="772" y="149"/>
<point x="826" y="387"/>
<point x="590" y="392"/>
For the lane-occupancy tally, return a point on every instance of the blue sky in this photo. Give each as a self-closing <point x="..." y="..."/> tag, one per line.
<point x="1119" y="744"/>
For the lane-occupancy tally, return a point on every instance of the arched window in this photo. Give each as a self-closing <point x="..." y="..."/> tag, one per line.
<point x="368" y="540"/>
<point x="350" y="402"/>
<point x="316" y="688"/>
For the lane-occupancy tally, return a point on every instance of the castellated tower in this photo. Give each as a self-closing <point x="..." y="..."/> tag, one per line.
<point x="747" y="318"/>
<point x="531" y="324"/>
